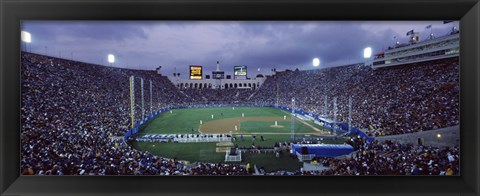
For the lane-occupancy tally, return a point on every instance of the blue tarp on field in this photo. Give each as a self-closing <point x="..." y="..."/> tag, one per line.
<point x="324" y="150"/>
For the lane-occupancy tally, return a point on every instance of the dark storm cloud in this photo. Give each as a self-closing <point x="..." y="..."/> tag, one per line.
<point x="294" y="44"/>
<point x="264" y="45"/>
<point x="81" y="30"/>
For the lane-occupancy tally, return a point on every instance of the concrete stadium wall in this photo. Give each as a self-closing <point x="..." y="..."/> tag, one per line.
<point x="450" y="136"/>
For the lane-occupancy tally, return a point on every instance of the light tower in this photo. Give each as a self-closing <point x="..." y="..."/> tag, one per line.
<point x="350" y="114"/>
<point x="26" y="39"/>
<point x="334" y="113"/>
<point x="316" y="62"/>
<point x="292" y="124"/>
<point x="325" y="108"/>
<point x="367" y="54"/>
<point x="132" y="100"/>
<point x="111" y="59"/>
<point x="143" y="100"/>
<point x="151" y="108"/>
<point x="277" y="95"/>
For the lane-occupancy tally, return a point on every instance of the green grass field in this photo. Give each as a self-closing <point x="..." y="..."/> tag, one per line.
<point x="264" y="127"/>
<point x="184" y="120"/>
<point x="257" y="120"/>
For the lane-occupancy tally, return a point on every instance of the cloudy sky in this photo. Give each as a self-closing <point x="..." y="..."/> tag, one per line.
<point x="261" y="45"/>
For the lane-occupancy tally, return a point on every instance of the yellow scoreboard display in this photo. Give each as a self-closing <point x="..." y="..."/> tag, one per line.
<point x="195" y="72"/>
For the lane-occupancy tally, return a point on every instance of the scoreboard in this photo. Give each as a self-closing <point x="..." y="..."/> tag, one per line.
<point x="240" y="72"/>
<point x="218" y="74"/>
<point x="195" y="72"/>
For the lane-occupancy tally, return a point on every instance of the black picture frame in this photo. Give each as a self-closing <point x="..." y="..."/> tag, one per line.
<point x="13" y="12"/>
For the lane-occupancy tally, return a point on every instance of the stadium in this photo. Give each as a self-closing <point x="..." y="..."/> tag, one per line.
<point x="397" y="113"/>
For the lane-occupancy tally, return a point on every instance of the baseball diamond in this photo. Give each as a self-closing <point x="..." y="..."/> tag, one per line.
<point x="258" y="121"/>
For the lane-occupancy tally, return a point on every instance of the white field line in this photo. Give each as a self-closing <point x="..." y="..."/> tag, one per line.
<point x="302" y="121"/>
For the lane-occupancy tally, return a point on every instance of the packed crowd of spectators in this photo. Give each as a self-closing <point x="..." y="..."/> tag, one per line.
<point x="73" y="92"/>
<point x="72" y="111"/>
<point x="385" y="158"/>
<point x="387" y="101"/>
<point x="391" y="158"/>
<point x="73" y="115"/>
<point x="218" y="96"/>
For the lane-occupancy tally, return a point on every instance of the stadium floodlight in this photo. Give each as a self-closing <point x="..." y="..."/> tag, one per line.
<point x="367" y="52"/>
<point x="26" y="37"/>
<point x="111" y="58"/>
<point x="316" y="62"/>
<point x="439" y="136"/>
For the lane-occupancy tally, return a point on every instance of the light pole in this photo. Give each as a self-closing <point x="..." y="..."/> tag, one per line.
<point x="111" y="59"/>
<point x="26" y="38"/>
<point x="367" y="52"/>
<point x="292" y="123"/>
<point x="316" y="62"/>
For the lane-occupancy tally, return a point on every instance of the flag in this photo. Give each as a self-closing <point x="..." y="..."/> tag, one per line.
<point x="447" y="21"/>
<point x="429" y="26"/>
<point x="410" y="32"/>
